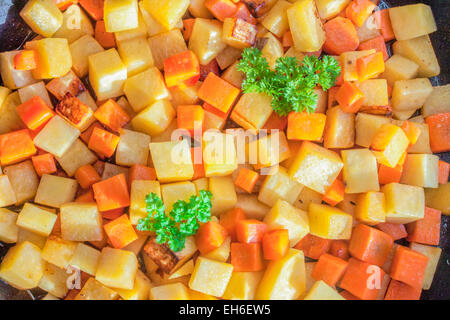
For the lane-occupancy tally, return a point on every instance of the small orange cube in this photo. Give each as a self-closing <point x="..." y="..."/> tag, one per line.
<point x="16" y="146"/>
<point x="190" y="117"/>
<point x="275" y="244"/>
<point x="140" y="172"/>
<point x="369" y="67"/>
<point x="349" y="97"/>
<point x="229" y="219"/>
<point x="335" y="193"/>
<point x="44" y="164"/>
<point x="103" y="142"/>
<point x="86" y="176"/>
<point x="250" y="230"/>
<point x="329" y="268"/>
<point x="246" y="179"/>
<point x="111" y="115"/>
<point x="408" y="266"/>
<point x="426" y="230"/>
<point x="120" y="232"/>
<point x="218" y="93"/>
<point x="306" y="126"/>
<point x="35" y="112"/>
<point x="210" y="236"/>
<point x="112" y="193"/>
<point x="246" y="257"/>
<point x="181" y="67"/>
<point x="25" y="60"/>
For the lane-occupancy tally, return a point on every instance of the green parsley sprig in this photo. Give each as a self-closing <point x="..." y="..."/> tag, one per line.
<point x="290" y="85"/>
<point x="183" y="221"/>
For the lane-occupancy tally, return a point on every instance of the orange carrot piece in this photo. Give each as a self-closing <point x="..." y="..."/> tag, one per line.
<point x="313" y="247"/>
<point x="341" y="36"/>
<point x="229" y="219"/>
<point x="103" y="142"/>
<point x="275" y="244"/>
<point x="276" y="122"/>
<point x="339" y="248"/>
<point x="140" y="172"/>
<point x="218" y="93"/>
<point x="426" y="230"/>
<point x="93" y="7"/>
<point x="305" y="126"/>
<point x="188" y="25"/>
<point x="370" y="66"/>
<point x="332" y="102"/>
<point x="106" y="39"/>
<point x="112" y="193"/>
<point x="383" y="21"/>
<point x="221" y="9"/>
<point x="408" y="266"/>
<point x="190" y="117"/>
<point x="356" y="279"/>
<point x="376" y="43"/>
<point x="246" y="179"/>
<point x="396" y="231"/>
<point x="181" y="67"/>
<point x="44" y="164"/>
<point x="250" y="230"/>
<point x="214" y="110"/>
<point x="112" y="214"/>
<point x="335" y="193"/>
<point x="16" y="146"/>
<point x="400" y="291"/>
<point x="388" y="175"/>
<point x="439" y="127"/>
<point x="86" y="135"/>
<point x="243" y="13"/>
<point x="348" y="296"/>
<point x="120" y="232"/>
<point x="444" y="169"/>
<point x="287" y="39"/>
<point x="87" y="197"/>
<point x="370" y="245"/>
<point x="359" y="10"/>
<point x="210" y="236"/>
<point x="87" y="176"/>
<point x="35" y="112"/>
<point x="197" y="161"/>
<point x="64" y="4"/>
<point x="412" y="131"/>
<point x="111" y="115"/>
<point x="350" y="97"/>
<point x="25" y="60"/>
<point x="246" y="257"/>
<point x="329" y="269"/>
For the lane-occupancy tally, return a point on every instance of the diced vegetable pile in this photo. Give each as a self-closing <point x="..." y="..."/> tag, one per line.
<point x="336" y="192"/>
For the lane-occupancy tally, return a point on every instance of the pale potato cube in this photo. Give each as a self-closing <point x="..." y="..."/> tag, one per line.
<point x="221" y="253"/>
<point x="276" y="20"/>
<point x="173" y="192"/>
<point x="42" y="16"/>
<point x="375" y="92"/>
<point x="166" y="44"/>
<point x="252" y="110"/>
<point x="219" y="154"/>
<point x="279" y="186"/>
<point x="107" y="74"/>
<point x="58" y="251"/>
<point x="120" y="15"/>
<point x="4" y="93"/>
<point x="272" y="50"/>
<point x="139" y="31"/>
<point x="438" y="101"/>
<point x="81" y="222"/>
<point x="421" y="170"/>
<point x="94" y="290"/>
<point x="139" y="190"/>
<point x="398" y="67"/>
<point x="201" y="184"/>
<point x="360" y="171"/>
<point x="228" y="56"/>
<point x="25" y="235"/>
<point x="370" y="208"/>
<point x="206" y="39"/>
<point x="410" y="94"/>
<point x="422" y="144"/>
<point x="339" y="129"/>
<point x="145" y="88"/>
<point x="309" y="267"/>
<point x="171" y="291"/>
<point x="9" y="118"/>
<point x="210" y="277"/>
<point x="141" y="288"/>
<point x="433" y="254"/>
<point x="22" y="267"/>
<point x="186" y="269"/>
<point x="285" y="216"/>
<point x="37" y="220"/>
<point x="8" y="228"/>
<point x="167" y="15"/>
<point x="185" y="95"/>
<point x="253" y="208"/>
<point x="54" y="280"/>
<point x="330" y="8"/>
<point x="80" y="50"/>
<point x="75" y="157"/>
<point x="412" y="21"/>
<point x="75" y="24"/>
<point x="54" y="191"/>
<point x="110" y="170"/>
<point x="117" y="268"/>
<point x="23" y="179"/>
<point x="420" y="50"/>
<point x="135" y="54"/>
<point x="306" y="197"/>
<point x="85" y="258"/>
<point x="233" y="75"/>
<point x="329" y="222"/>
<point x="223" y="194"/>
<point x="366" y="126"/>
<point x="35" y="89"/>
<point x="132" y="148"/>
<point x="284" y="278"/>
<point x="7" y="195"/>
<point x="57" y="136"/>
<point x="404" y="203"/>
<point x="152" y="26"/>
<point x="11" y="77"/>
<point x="154" y="119"/>
<point x="242" y="285"/>
<point x="322" y="291"/>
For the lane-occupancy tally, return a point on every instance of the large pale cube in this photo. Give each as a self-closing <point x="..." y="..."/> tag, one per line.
<point x="141" y="288"/>
<point x="81" y="222"/>
<point x="438" y="198"/>
<point x="398" y="67"/>
<point x="252" y="110"/>
<point x="370" y="208"/>
<point x="132" y="148"/>
<point x="166" y="44"/>
<point x="421" y="170"/>
<point x="219" y="153"/>
<point x="8" y="228"/>
<point x="329" y="222"/>
<point x="410" y="94"/>
<point x="242" y="285"/>
<point x="279" y="186"/>
<point x="167" y="14"/>
<point x="404" y="203"/>
<point x="75" y="24"/>
<point x="80" y="50"/>
<point x="135" y="54"/>
<point x="54" y="191"/>
<point x="223" y="194"/>
<point x="322" y="291"/>
<point x="433" y="254"/>
<point x="35" y="89"/>
<point x="360" y="171"/>
<point x="117" y="268"/>
<point x="7" y="195"/>
<point x="120" y="15"/>
<point x="35" y="219"/>
<point x="412" y="21"/>
<point x="375" y="92"/>
<point x="210" y="277"/>
<point x="25" y="235"/>
<point x="54" y="280"/>
<point x="23" y="179"/>
<point x="58" y="251"/>
<point x="139" y="190"/>
<point x="94" y="290"/>
<point x="75" y="157"/>
<point x="171" y="291"/>
<point x="85" y="258"/>
<point x="42" y="16"/>
<point x="11" y="77"/>
<point x="154" y="119"/>
<point x="173" y="192"/>
<point x="206" y="39"/>
<point x="438" y="101"/>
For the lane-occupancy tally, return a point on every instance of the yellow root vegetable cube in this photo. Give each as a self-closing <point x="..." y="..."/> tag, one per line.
<point x="253" y="208"/>
<point x="224" y="194"/>
<point x="329" y="222"/>
<point x="8" y="228"/>
<point x="348" y="63"/>
<point x="57" y="136"/>
<point x="54" y="280"/>
<point x="366" y="126"/>
<point x="276" y="20"/>
<point x="145" y="88"/>
<point x="404" y="203"/>
<point x="11" y="77"/>
<point x="58" y="251"/>
<point x="94" y="290"/>
<point x="315" y="167"/>
<point x="272" y="50"/>
<point x="389" y="145"/>
<point x="171" y="291"/>
<point x="138" y="32"/>
<point x="370" y="208"/>
<point x="271" y="150"/>
<point x="284" y="278"/>
<point x="412" y="21"/>
<point x="206" y="39"/>
<point x="75" y="24"/>
<point x="173" y="192"/>
<point x="107" y="74"/>
<point x="85" y="258"/>
<point x="42" y="16"/>
<point x="75" y="157"/>
<point x="438" y="198"/>
<point x="329" y="9"/>
<point x="339" y="129"/>
<point x="7" y="195"/>
<point x="35" y="219"/>
<point x="154" y="119"/>
<point x="279" y="186"/>
<point x="243" y="285"/>
<point x="221" y="253"/>
<point x="219" y="153"/>
<point x="398" y="67"/>
<point x="285" y="216"/>
<point x="35" y="89"/>
<point x="375" y="92"/>
<point x="141" y="288"/>
<point x="185" y="270"/>
<point x="321" y="291"/>
<point x="433" y="254"/>
<point x="120" y="15"/>
<point x="139" y="190"/>
<point x="233" y="76"/>
<point x="360" y="171"/>
<point x="172" y="160"/>
<point x="25" y="235"/>
<point x="135" y="54"/>
<point x="167" y="13"/>
<point x="421" y="170"/>
<point x="410" y="94"/>
<point x="166" y="44"/>
<point x="422" y="144"/>
<point x="210" y="277"/>
<point x="132" y="148"/>
<point x="23" y="179"/>
<point x="438" y="101"/>
<point x="117" y="268"/>
<point x="306" y="26"/>
<point x="22" y="267"/>
<point x="81" y="222"/>
<point x="201" y="184"/>
<point x="54" y="191"/>
<point x="185" y="95"/>
<point x="80" y="50"/>
<point x="252" y="110"/>
<point x="306" y="197"/>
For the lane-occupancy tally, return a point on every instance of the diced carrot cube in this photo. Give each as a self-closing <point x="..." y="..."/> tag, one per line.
<point x="197" y="161"/>
<point x="112" y="193"/>
<point x="243" y="13"/>
<point x="348" y="296"/>
<point x="106" y="39"/>
<point x="218" y="93"/>
<point x="221" y="9"/>
<point x="246" y="179"/>
<point x="112" y="214"/>
<point x="329" y="269"/>
<point x="140" y="172"/>
<point x="439" y="127"/>
<point x="359" y="10"/>
<point x="383" y="20"/>
<point x="305" y="126"/>
<point x="190" y="117"/>
<point x="246" y="257"/>
<point x="188" y="25"/>
<point x="287" y="40"/>
<point x="210" y="236"/>
<point x="16" y="146"/>
<point x="25" y="60"/>
<point x="86" y="135"/>
<point x="444" y="169"/>
<point x="87" y="176"/>
<point x="395" y="230"/>
<point x="181" y="67"/>
<point x="229" y="219"/>
<point x="275" y="244"/>
<point x="408" y="266"/>
<point x="93" y="7"/>
<point x="276" y="122"/>
<point x="103" y="142"/>
<point x="400" y="291"/>
<point x="370" y="66"/>
<point x="205" y="69"/>
<point x="426" y="230"/>
<point x="313" y="247"/>
<point x="335" y="193"/>
<point x="350" y="97"/>
<point x="339" y="248"/>
<point x="111" y="115"/>
<point x="87" y="197"/>
<point x="412" y="131"/>
<point x="120" y="232"/>
<point x="250" y="230"/>
<point x="341" y="36"/>
<point x="376" y="43"/>
<point x="44" y="164"/>
<point x="35" y="112"/>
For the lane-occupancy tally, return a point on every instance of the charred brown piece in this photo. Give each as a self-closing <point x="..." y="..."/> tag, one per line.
<point x="378" y="110"/>
<point x="74" y="111"/>
<point x="161" y="255"/>
<point x="68" y="83"/>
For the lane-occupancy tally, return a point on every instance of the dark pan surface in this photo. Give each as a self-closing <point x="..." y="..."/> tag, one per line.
<point x="14" y="33"/>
